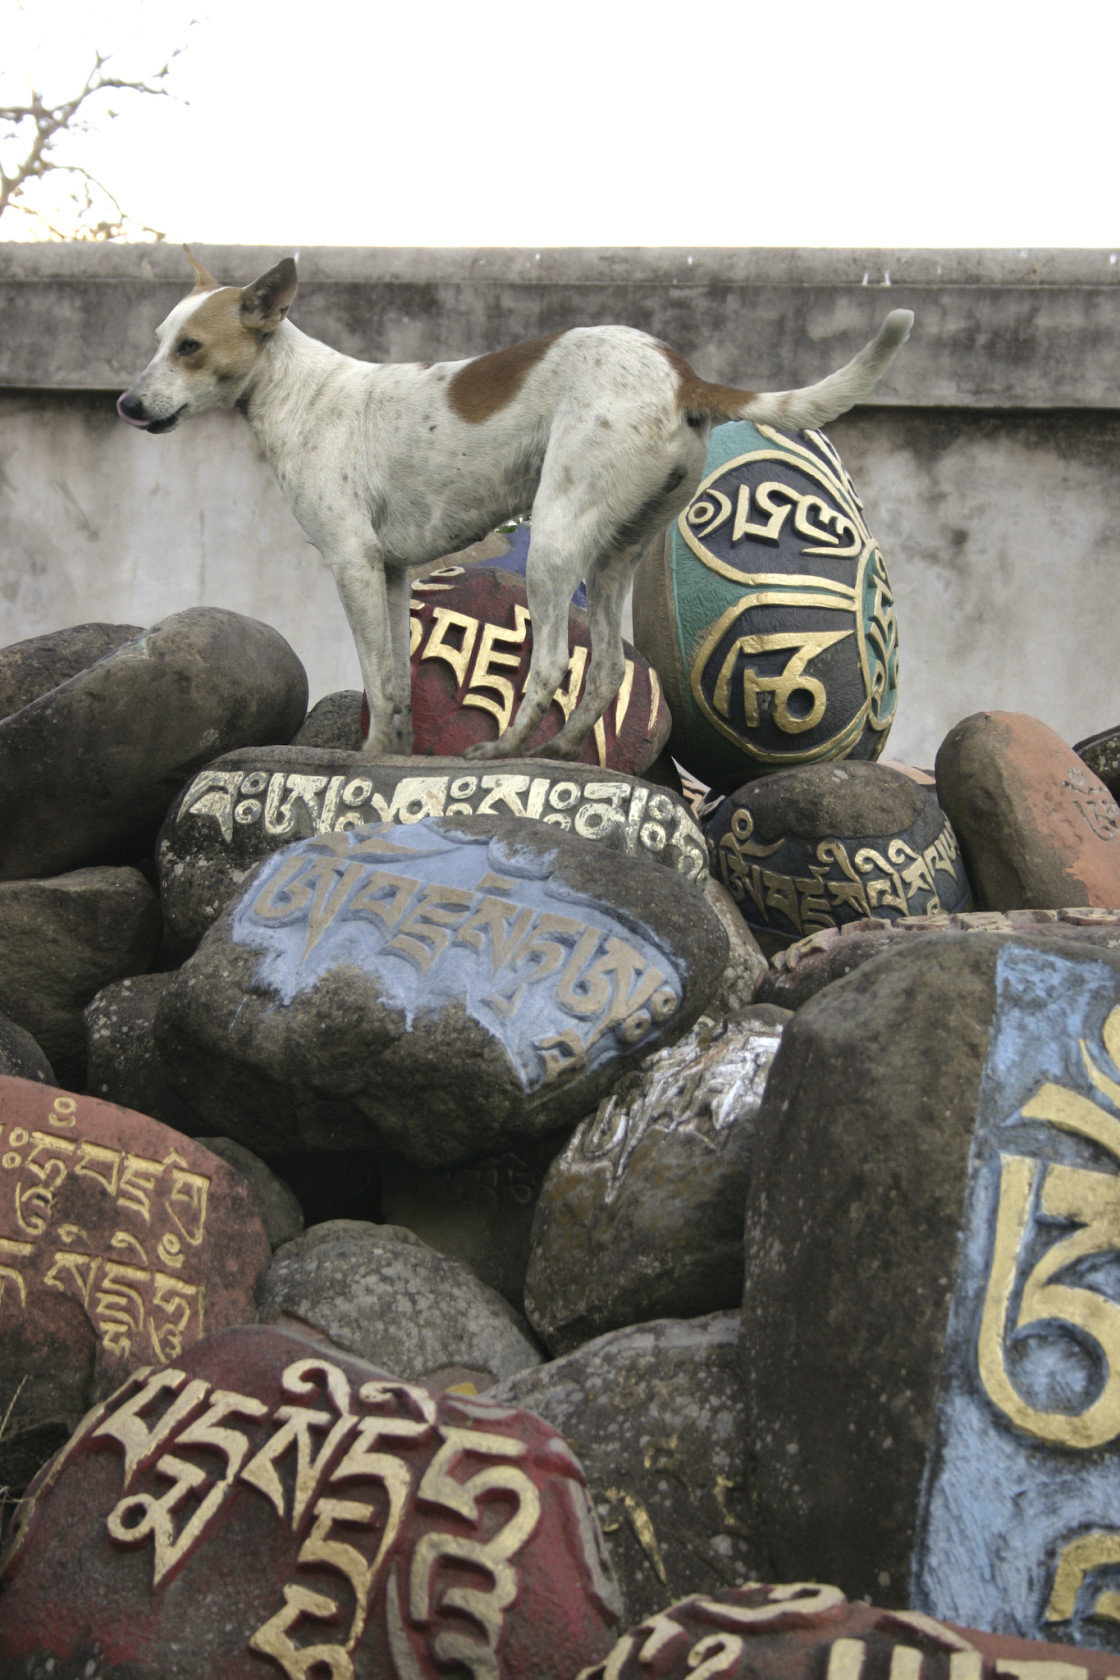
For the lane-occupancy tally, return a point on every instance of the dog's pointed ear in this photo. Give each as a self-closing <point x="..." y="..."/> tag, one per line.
<point x="265" y="303"/>
<point x="204" y="281"/>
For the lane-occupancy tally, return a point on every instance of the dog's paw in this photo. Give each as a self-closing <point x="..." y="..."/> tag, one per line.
<point x="487" y="749"/>
<point x="556" y="749"/>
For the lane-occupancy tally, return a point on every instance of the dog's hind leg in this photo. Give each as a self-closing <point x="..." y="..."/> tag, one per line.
<point x="607" y="584"/>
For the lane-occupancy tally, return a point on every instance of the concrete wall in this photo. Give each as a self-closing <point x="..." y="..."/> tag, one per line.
<point x="986" y="461"/>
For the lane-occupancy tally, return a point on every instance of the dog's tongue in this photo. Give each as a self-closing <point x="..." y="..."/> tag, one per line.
<point x="128" y="417"/>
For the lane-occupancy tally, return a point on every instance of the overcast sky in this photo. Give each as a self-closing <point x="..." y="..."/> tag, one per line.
<point x="595" y="122"/>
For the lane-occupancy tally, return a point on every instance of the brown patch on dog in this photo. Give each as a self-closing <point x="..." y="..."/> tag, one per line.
<point x="486" y="385"/>
<point x="227" y="344"/>
<point x="697" y="396"/>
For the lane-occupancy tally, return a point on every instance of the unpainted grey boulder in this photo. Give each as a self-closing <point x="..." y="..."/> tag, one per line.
<point x="123" y="1062"/>
<point x="61" y="941"/>
<point x="281" y="1214"/>
<point x="656" y="1416"/>
<point x="380" y="1292"/>
<point x="641" y="1214"/>
<point x="33" y="667"/>
<point x="89" y="768"/>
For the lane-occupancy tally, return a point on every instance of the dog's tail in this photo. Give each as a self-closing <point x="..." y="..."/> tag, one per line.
<point x="813" y="405"/>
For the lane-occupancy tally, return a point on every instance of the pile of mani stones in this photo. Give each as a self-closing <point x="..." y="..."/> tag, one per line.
<point x="375" y="1138"/>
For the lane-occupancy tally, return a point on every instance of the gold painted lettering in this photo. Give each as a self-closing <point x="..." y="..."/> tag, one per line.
<point x="137" y="1183"/>
<point x="486" y="676"/>
<point x="1096" y="1550"/>
<point x="444" y="622"/>
<point x="845" y="1659"/>
<point x="567" y="696"/>
<point x="299" y="1661"/>
<point x="188" y="1200"/>
<point x="385" y="896"/>
<point x="804" y="645"/>
<point x="143" y="1442"/>
<point x="718" y="1654"/>
<point x="425" y="936"/>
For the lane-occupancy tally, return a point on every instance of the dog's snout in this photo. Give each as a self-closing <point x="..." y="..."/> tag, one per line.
<point x="130" y="408"/>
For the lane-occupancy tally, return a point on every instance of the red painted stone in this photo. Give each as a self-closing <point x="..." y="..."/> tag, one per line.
<point x="121" y="1243"/>
<point x="273" y="1506"/>
<point x="472" y="640"/>
<point x="1038" y="830"/>
<point x="805" y="1631"/>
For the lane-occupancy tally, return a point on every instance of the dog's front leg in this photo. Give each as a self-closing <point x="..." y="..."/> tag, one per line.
<point x="359" y="575"/>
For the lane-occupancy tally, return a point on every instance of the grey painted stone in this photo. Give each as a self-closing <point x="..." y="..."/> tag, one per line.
<point x="800" y="971"/>
<point x="380" y="1292"/>
<point x="450" y="988"/>
<point x="123" y="1062"/>
<point x="31" y="668"/>
<point x="20" y="1056"/>
<point x="89" y="769"/>
<point x="481" y="1214"/>
<point x="250" y="804"/>
<point x="61" y="941"/>
<point x="281" y="1214"/>
<point x="334" y="722"/>
<point x="931" y="1372"/>
<point x="656" y="1415"/>
<point x="827" y="844"/>
<point x="641" y="1215"/>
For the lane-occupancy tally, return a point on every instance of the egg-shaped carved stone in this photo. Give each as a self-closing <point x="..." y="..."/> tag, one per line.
<point x="768" y="613"/>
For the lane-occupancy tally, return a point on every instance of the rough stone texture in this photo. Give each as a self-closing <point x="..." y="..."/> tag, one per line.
<point x="20" y="1056"/>
<point x="641" y="1215"/>
<point x="1101" y="752"/>
<point x="800" y="971"/>
<point x="628" y="953"/>
<point x="381" y="1293"/>
<point x="745" y="962"/>
<point x="655" y="1413"/>
<point x="123" y="1063"/>
<point x="250" y="804"/>
<point x="334" y="722"/>
<point x="802" y="1630"/>
<point x="832" y="843"/>
<point x="90" y="768"/>
<point x="887" y="1459"/>
<point x="31" y="668"/>
<point x="794" y="670"/>
<point x="274" y="1200"/>
<point x="1037" y="829"/>
<point x="61" y="941"/>
<point x="472" y="644"/>
<point x="120" y="1243"/>
<point x="340" y="1521"/>
<point x="481" y="1214"/>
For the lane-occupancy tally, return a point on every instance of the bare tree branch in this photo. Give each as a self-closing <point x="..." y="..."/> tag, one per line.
<point x="37" y="127"/>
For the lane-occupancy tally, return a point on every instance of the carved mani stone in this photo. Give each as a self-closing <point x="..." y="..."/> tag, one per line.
<point x="805" y="1631"/>
<point x="1039" y="831"/>
<point x="270" y="1506"/>
<point x="931" y="1311"/>
<point x="90" y="767"/>
<point x="641" y="1214"/>
<point x="249" y="804"/>
<point x="121" y="1243"/>
<point x="472" y="641"/>
<point x="447" y="988"/>
<point x="833" y="843"/>
<point x="768" y="612"/>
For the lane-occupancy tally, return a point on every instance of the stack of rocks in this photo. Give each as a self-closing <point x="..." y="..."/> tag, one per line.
<point x="451" y="1211"/>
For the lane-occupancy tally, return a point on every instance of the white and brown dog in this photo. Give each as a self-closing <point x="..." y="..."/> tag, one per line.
<point x="600" y="431"/>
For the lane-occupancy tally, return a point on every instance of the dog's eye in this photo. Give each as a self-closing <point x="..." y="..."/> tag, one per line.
<point x="187" y="347"/>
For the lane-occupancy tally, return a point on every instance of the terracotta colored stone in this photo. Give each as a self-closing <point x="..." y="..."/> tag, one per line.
<point x="805" y="1631"/>
<point x="272" y="1506"/>
<point x="249" y="804"/>
<point x="1038" y="830"/>
<point x="472" y="640"/>
<point x="768" y="612"/>
<point x="121" y="1243"/>
<point x="800" y="971"/>
<point x="834" y="843"/>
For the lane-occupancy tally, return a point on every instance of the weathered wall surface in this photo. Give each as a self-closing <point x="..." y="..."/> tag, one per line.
<point x="986" y="462"/>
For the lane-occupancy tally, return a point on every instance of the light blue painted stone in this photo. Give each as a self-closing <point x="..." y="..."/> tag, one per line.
<point x="1003" y="1496"/>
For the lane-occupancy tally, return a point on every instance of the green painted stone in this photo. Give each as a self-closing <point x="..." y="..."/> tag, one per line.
<point x="768" y="613"/>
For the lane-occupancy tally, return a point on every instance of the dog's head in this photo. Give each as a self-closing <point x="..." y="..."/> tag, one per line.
<point x="208" y="347"/>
